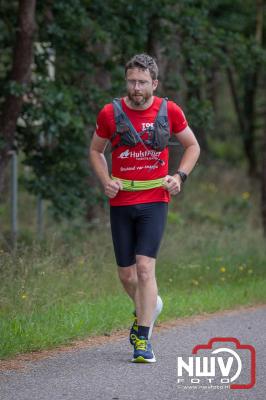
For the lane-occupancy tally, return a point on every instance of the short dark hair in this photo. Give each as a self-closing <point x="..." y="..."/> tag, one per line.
<point x="143" y="61"/>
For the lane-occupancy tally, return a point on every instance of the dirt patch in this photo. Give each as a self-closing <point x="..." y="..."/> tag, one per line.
<point x="20" y="361"/>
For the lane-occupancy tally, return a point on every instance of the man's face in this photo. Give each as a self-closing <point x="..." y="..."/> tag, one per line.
<point x="140" y="86"/>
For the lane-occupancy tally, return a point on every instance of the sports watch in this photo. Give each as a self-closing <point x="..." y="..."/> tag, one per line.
<point x="182" y="175"/>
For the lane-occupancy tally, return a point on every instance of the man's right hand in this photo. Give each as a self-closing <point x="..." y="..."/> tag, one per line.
<point x="112" y="187"/>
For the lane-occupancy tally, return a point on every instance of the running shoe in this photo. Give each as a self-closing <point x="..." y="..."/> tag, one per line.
<point x="143" y="352"/>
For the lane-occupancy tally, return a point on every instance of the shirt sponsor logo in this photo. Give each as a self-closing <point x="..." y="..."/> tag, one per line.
<point x="140" y="155"/>
<point x="147" y="125"/>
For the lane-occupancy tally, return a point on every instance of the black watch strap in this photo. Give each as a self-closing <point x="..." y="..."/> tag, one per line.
<point x="182" y="175"/>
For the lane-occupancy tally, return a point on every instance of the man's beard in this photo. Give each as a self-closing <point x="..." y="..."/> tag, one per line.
<point x="139" y="101"/>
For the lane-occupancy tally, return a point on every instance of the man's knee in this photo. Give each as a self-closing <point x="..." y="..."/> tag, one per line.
<point x="127" y="275"/>
<point x="145" y="269"/>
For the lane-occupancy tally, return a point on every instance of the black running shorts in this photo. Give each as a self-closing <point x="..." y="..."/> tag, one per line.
<point x="137" y="230"/>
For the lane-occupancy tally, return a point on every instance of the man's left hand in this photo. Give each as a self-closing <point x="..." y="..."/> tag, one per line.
<point x="172" y="184"/>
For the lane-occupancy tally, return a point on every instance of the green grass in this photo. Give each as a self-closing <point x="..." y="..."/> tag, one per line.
<point x="66" y="287"/>
<point x="61" y="323"/>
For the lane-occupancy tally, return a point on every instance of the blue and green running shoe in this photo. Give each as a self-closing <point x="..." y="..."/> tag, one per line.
<point x="143" y="352"/>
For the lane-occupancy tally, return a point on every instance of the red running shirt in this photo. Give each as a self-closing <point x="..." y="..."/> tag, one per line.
<point x="139" y="163"/>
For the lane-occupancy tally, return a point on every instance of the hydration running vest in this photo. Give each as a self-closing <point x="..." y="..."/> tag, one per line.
<point x="158" y="134"/>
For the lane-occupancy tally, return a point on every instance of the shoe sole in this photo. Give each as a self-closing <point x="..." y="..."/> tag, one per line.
<point x="158" y="310"/>
<point x="142" y="360"/>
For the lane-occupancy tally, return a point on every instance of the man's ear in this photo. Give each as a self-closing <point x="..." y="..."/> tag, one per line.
<point x="155" y="84"/>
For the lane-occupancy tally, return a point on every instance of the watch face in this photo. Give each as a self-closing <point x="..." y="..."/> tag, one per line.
<point x="182" y="175"/>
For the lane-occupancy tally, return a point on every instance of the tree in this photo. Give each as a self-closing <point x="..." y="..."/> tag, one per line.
<point x="18" y="82"/>
<point x="241" y="29"/>
<point x="263" y="178"/>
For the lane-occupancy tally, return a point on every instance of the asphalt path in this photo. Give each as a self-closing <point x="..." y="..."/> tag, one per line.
<point x="104" y="372"/>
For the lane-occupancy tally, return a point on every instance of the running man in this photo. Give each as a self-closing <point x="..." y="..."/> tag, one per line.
<point x="139" y="188"/>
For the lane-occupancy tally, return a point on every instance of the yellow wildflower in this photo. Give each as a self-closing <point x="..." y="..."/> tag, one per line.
<point x="81" y="261"/>
<point x="245" y="195"/>
<point x="250" y="271"/>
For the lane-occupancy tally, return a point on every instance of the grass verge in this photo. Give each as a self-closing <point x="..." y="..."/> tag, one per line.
<point x="62" y="323"/>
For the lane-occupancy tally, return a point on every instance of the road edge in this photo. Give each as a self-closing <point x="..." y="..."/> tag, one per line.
<point x="20" y="361"/>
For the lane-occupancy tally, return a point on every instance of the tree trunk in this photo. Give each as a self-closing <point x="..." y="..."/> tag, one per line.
<point x="212" y="88"/>
<point x="155" y="48"/>
<point x="236" y="100"/>
<point x="20" y="74"/>
<point x="250" y="92"/>
<point x="259" y="40"/>
<point x="196" y="92"/>
<point x="263" y="180"/>
<point x="246" y="112"/>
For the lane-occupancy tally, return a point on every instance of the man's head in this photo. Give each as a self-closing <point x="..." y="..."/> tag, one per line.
<point x="144" y="62"/>
<point x="141" y="76"/>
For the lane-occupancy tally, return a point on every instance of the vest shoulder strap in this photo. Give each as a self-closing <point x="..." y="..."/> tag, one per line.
<point x="121" y="116"/>
<point x="124" y="127"/>
<point x="163" y="111"/>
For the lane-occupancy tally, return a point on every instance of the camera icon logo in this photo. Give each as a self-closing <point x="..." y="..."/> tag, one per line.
<point x="222" y="361"/>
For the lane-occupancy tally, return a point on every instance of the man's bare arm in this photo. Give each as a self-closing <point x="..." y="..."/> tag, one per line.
<point x="99" y="164"/>
<point x="192" y="150"/>
<point x="188" y="161"/>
